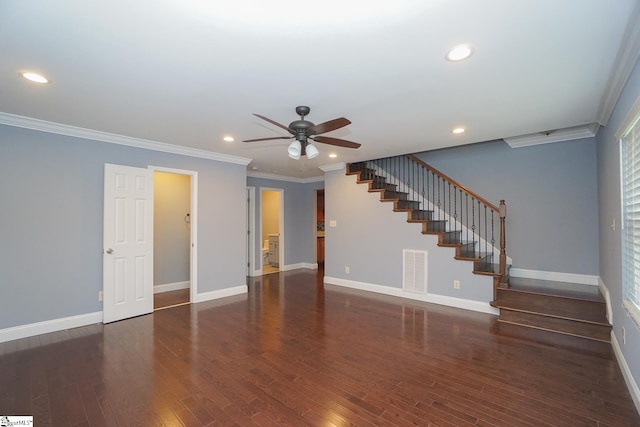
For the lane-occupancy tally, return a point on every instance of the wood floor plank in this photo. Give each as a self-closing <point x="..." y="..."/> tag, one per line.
<point x="295" y="352"/>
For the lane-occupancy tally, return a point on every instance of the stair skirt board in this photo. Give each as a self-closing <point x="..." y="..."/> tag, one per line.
<point x="478" y="306"/>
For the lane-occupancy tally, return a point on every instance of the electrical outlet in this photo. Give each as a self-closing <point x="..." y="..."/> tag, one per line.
<point x="346" y="270"/>
<point x="624" y="336"/>
<point x="456" y="284"/>
<point x="333" y="223"/>
<point x="100" y="296"/>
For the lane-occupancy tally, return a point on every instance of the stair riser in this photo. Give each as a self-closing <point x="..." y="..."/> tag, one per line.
<point x="570" y="307"/>
<point x="394" y="195"/>
<point x="407" y="204"/>
<point x="420" y="215"/>
<point x="587" y="330"/>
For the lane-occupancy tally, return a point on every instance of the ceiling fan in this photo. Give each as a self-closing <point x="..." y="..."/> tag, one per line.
<point x="303" y="130"/>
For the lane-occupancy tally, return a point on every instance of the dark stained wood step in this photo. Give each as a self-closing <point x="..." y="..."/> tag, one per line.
<point x="580" y="345"/>
<point x="389" y="196"/>
<point x="563" y="325"/>
<point x="553" y="305"/>
<point x="556" y="307"/>
<point x="405" y="205"/>
<point x="418" y="215"/>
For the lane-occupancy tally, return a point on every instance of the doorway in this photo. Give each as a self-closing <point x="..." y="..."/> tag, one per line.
<point x="128" y="229"/>
<point x="271" y="230"/>
<point x="173" y="234"/>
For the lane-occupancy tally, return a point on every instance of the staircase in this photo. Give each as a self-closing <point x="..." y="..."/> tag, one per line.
<point x="553" y="312"/>
<point x="466" y="245"/>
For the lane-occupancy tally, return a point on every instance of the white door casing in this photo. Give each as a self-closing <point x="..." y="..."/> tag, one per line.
<point x="128" y="242"/>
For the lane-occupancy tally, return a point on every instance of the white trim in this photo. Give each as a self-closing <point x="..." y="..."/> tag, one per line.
<point x="632" y="311"/>
<point x="251" y="231"/>
<point x="333" y="167"/>
<point x="465" y="304"/>
<point x="222" y="293"/>
<point x="630" y="119"/>
<point x="626" y="59"/>
<point x="33" y="329"/>
<point x="96" y="135"/>
<point x="604" y="290"/>
<point x="567" y="134"/>
<point x="277" y="177"/>
<point x="168" y="287"/>
<point x="581" y="279"/>
<point x="632" y="385"/>
<point x="307" y="265"/>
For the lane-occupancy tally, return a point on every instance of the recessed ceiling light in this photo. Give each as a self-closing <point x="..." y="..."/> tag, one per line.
<point x="333" y="155"/>
<point x="458" y="130"/>
<point x="229" y="138"/>
<point x="460" y="52"/>
<point x="34" y="77"/>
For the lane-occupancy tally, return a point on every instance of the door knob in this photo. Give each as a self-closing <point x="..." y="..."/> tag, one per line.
<point x="109" y="251"/>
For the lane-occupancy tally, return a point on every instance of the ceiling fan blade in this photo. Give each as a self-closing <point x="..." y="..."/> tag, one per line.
<point x="267" y="139"/>
<point x="336" y="141"/>
<point x="328" y="126"/>
<point x="275" y="123"/>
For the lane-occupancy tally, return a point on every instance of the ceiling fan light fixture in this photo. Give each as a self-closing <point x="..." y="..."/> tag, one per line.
<point x="295" y="149"/>
<point x="312" y="151"/>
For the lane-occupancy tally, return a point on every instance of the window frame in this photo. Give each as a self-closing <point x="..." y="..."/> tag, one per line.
<point x="631" y="123"/>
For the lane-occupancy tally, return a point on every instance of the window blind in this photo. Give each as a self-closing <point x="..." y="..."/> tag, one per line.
<point x="630" y="169"/>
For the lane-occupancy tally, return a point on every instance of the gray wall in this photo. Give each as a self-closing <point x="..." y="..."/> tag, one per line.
<point x="369" y="238"/>
<point x="551" y="196"/>
<point x="52" y="213"/>
<point x="299" y="225"/>
<point x="171" y="234"/>
<point x="609" y="206"/>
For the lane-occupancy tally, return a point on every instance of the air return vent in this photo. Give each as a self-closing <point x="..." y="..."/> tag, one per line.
<point x="414" y="271"/>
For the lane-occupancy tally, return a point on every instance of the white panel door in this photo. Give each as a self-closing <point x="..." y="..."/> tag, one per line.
<point x="128" y="242"/>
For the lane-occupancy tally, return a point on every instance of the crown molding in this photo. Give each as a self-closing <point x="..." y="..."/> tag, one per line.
<point x="332" y="167"/>
<point x="627" y="57"/>
<point x="568" y="134"/>
<point x="95" y="135"/>
<point x="277" y="177"/>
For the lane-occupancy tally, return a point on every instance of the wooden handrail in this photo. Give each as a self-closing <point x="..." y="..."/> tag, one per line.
<point x="454" y="182"/>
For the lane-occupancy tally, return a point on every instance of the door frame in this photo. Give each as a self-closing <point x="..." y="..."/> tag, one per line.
<point x="251" y="236"/>
<point x="193" y="259"/>
<point x="280" y="225"/>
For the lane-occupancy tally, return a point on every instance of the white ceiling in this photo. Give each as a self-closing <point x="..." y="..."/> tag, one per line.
<point x="188" y="72"/>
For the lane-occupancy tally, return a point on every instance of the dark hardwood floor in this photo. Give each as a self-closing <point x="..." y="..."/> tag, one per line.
<point x="172" y="298"/>
<point x="294" y="352"/>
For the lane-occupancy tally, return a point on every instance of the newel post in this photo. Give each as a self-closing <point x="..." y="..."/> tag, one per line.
<point x="503" y="242"/>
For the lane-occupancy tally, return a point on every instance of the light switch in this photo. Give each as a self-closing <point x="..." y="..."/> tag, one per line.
<point x="333" y="223"/>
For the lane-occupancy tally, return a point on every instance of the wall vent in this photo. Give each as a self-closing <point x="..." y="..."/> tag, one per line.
<point x="414" y="271"/>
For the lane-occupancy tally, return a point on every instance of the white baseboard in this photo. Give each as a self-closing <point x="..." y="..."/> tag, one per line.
<point x="32" y="329"/>
<point x="167" y="287"/>
<point x="465" y="304"/>
<point x="581" y="279"/>
<point x="222" y="293"/>
<point x="308" y="265"/>
<point x="632" y="385"/>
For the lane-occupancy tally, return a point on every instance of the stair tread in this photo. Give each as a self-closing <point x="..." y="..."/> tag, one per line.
<point x="552" y="288"/>
<point x="557" y="312"/>
<point x="553" y="331"/>
<point x="528" y="335"/>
